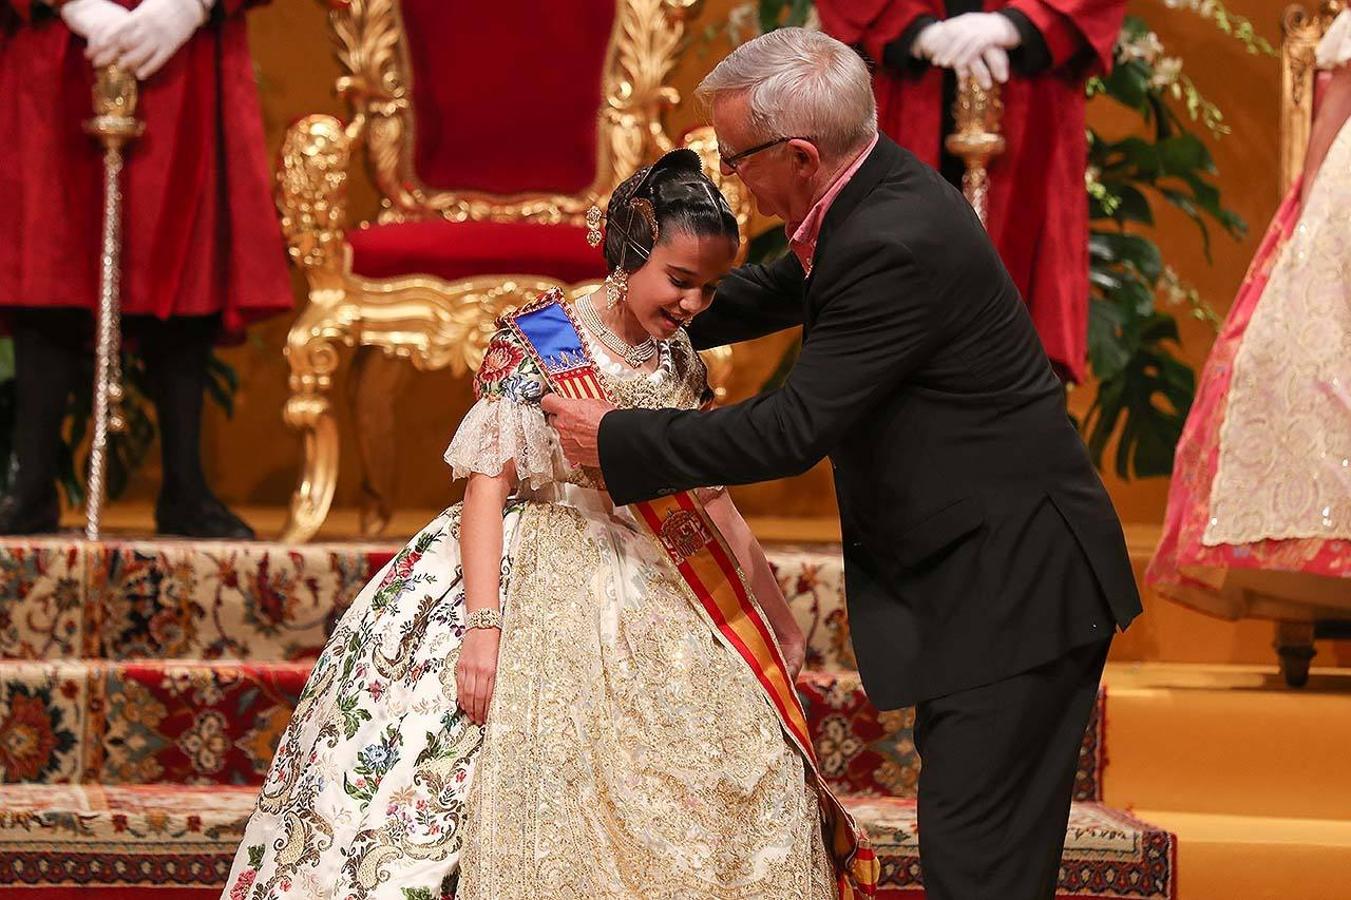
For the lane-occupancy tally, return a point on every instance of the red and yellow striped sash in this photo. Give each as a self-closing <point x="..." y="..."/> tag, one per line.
<point x="700" y="554"/>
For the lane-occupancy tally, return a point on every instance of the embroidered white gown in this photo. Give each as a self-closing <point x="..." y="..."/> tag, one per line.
<point x="628" y="753"/>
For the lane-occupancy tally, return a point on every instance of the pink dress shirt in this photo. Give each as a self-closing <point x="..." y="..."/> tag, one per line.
<point x="802" y="238"/>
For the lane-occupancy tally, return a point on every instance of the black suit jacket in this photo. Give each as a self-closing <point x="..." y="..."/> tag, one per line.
<point x="979" y="541"/>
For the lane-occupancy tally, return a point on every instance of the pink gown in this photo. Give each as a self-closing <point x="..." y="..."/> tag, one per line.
<point x="1259" y="510"/>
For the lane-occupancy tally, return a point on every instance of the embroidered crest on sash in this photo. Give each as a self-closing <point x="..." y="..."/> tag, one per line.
<point x="683" y="534"/>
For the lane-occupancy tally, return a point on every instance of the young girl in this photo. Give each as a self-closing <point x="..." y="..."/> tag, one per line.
<point x="528" y="702"/>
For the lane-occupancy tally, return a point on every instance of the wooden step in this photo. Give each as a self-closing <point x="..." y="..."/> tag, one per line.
<point x="1244" y="857"/>
<point x="1228" y="740"/>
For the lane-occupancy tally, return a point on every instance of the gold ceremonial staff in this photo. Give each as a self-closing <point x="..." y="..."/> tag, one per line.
<point x="977" y="140"/>
<point x="114" y="124"/>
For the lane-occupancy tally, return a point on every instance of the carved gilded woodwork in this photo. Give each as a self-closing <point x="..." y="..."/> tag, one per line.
<point x="1301" y="32"/>
<point x="644" y="46"/>
<point x="423" y="320"/>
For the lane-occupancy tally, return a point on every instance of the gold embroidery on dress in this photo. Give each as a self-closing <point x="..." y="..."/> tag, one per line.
<point x="1284" y="468"/>
<point x="628" y="754"/>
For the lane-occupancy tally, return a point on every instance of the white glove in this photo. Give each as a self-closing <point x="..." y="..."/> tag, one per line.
<point x="989" y="67"/>
<point x="972" y="35"/>
<point x="153" y="32"/>
<point x="94" y="20"/>
<point x="932" y="40"/>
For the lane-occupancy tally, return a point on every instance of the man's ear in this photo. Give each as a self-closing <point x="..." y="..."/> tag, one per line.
<point x="805" y="156"/>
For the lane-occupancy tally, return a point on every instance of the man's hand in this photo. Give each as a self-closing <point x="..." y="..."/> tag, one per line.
<point x="578" y="426"/>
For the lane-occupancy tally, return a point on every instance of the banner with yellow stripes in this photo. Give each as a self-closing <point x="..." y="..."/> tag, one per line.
<point x="709" y="569"/>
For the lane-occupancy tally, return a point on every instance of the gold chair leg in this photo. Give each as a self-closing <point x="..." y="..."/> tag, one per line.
<point x="376" y="377"/>
<point x="313" y="358"/>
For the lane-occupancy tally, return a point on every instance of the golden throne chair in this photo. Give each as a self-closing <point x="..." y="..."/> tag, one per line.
<point x="488" y="130"/>
<point x="1324" y="612"/>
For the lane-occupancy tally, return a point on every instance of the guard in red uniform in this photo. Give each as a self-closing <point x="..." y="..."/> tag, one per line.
<point x="1043" y="51"/>
<point x="203" y="254"/>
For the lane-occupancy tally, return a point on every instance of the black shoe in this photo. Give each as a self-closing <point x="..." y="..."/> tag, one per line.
<point x="203" y="516"/>
<point x="24" y="515"/>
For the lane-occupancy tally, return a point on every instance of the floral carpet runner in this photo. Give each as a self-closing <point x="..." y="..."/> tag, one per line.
<point x="143" y="687"/>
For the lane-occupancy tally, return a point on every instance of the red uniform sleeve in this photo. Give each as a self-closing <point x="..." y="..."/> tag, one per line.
<point x="872" y="24"/>
<point x="1069" y="25"/>
<point x="24" y="8"/>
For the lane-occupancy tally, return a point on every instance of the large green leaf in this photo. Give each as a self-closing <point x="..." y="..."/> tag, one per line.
<point x="1107" y="353"/>
<point x="1132" y="205"/>
<point x="1132" y="249"/>
<point x="1183" y="154"/>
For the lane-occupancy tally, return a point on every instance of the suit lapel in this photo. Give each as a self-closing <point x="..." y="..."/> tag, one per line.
<point x="882" y="159"/>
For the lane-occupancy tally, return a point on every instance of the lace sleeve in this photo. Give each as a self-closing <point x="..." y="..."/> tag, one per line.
<point x="506" y="423"/>
<point x="498" y="429"/>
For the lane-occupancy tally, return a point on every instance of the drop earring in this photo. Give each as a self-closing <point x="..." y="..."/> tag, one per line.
<point x="616" y="287"/>
<point x="593" y="232"/>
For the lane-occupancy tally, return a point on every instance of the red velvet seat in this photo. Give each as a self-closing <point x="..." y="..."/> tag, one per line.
<point x="489" y="129"/>
<point x="455" y="250"/>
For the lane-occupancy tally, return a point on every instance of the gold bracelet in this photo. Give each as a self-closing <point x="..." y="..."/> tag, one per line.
<point x="483" y="618"/>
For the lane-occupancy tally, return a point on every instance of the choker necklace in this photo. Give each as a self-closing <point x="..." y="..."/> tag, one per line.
<point x="633" y="354"/>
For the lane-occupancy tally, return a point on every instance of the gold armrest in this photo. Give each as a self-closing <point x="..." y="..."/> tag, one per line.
<point x="312" y="191"/>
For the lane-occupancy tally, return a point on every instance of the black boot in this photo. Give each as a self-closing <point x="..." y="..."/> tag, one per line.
<point x="48" y="350"/>
<point x="176" y="353"/>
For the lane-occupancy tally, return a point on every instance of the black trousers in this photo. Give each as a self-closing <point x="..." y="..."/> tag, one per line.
<point x="997" y="775"/>
<point x="52" y="349"/>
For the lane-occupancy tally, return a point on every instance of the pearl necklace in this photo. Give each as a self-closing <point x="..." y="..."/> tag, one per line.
<point x="620" y="372"/>
<point x="633" y="354"/>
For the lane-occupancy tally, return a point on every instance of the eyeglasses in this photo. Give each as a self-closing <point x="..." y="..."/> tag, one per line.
<point x="731" y="160"/>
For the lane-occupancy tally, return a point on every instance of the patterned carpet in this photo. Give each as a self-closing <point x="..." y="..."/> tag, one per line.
<point x="144" y="685"/>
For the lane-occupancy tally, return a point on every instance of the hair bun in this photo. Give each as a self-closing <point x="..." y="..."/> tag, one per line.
<point x="682" y="159"/>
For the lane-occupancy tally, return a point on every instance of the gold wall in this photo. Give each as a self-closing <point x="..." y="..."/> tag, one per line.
<point x="252" y="458"/>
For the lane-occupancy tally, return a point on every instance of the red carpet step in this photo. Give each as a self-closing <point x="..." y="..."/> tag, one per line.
<point x="65" y="598"/>
<point x="1108" y="853"/>
<point x="181" y="722"/>
<point x="144" y="686"/>
<point x="59" y="841"/>
<point x="181" y="841"/>
<point x="864" y="752"/>
<point x="197" y="722"/>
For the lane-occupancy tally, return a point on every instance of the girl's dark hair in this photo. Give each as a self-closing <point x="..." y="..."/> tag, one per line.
<point x="673" y="194"/>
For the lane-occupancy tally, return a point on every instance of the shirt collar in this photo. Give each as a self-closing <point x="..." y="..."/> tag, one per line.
<point x="802" y="238"/>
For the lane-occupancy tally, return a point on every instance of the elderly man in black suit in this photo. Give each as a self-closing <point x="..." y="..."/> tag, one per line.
<point x="985" y="567"/>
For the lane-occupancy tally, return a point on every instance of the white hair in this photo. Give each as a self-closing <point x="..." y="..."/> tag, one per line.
<point x="800" y="83"/>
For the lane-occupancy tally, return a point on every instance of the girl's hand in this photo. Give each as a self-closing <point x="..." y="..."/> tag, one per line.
<point x="476" y="672"/>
